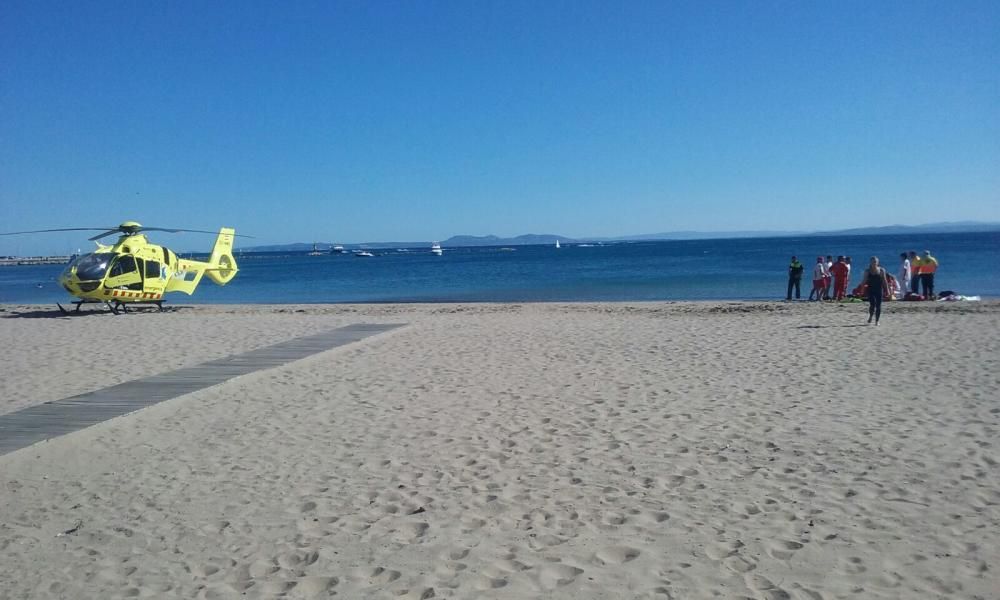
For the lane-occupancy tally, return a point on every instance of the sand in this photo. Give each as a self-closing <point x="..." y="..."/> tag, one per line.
<point x="661" y="450"/>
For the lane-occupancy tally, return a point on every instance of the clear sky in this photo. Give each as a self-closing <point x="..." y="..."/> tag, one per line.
<point x="366" y="121"/>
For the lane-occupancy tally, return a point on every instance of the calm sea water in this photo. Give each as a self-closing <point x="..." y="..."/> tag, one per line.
<point x="740" y="269"/>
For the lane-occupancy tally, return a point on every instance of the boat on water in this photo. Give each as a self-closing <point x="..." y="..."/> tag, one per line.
<point x="557" y="245"/>
<point x="436" y="249"/>
<point x="338" y="250"/>
<point x="363" y="254"/>
<point x="315" y="251"/>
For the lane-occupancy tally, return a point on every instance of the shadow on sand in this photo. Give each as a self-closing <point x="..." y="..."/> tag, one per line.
<point x="55" y="313"/>
<point x="826" y="326"/>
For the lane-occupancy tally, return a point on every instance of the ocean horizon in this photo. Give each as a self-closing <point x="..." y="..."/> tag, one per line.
<point x="714" y="269"/>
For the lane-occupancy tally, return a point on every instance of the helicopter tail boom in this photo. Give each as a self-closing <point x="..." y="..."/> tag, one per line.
<point x="222" y="267"/>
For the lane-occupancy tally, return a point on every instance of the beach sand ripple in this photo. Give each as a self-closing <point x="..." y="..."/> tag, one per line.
<point x="667" y="450"/>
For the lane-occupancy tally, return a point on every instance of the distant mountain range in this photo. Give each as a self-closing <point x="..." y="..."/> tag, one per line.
<point x="546" y="239"/>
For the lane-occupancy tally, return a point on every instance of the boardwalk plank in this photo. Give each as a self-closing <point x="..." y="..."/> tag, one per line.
<point x="31" y="425"/>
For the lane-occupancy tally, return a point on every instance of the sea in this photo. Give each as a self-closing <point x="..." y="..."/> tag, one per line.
<point x="717" y="269"/>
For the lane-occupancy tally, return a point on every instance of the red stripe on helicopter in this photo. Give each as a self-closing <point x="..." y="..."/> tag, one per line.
<point x="143" y="295"/>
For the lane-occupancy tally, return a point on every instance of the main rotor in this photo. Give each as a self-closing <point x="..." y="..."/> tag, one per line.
<point x="128" y="228"/>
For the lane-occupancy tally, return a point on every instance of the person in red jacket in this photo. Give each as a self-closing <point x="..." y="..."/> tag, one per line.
<point x="840" y="272"/>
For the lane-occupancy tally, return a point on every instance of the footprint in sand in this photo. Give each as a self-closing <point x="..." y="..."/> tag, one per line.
<point x="855" y="565"/>
<point x="766" y="589"/>
<point x="261" y="569"/>
<point x="447" y="570"/>
<point x="783" y="549"/>
<point x="317" y="586"/>
<point x="292" y="560"/>
<point x="545" y="541"/>
<point x="722" y="550"/>
<point x="490" y="583"/>
<point x="410" y="532"/>
<point x="378" y="576"/>
<point x="555" y="575"/>
<point x="276" y="588"/>
<point x="204" y="570"/>
<point x="616" y="555"/>
<point x="614" y="518"/>
<point x="455" y="554"/>
<point x="739" y="564"/>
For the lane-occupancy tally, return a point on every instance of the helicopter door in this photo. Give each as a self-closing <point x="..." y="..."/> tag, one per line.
<point x="124" y="274"/>
<point x="155" y="277"/>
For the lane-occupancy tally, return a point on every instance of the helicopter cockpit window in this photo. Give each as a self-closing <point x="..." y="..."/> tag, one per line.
<point x="152" y="269"/>
<point x="124" y="264"/>
<point x="92" y="267"/>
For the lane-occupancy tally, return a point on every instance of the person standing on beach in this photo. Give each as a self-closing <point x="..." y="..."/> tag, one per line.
<point x="795" y="270"/>
<point x="914" y="272"/>
<point x="819" y="279"/>
<point x="829" y="277"/>
<point x="840" y="272"/>
<point x="928" y="266"/>
<point x="904" y="274"/>
<point x="875" y="281"/>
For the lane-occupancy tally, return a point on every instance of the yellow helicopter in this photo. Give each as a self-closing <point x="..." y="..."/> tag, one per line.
<point x="133" y="270"/>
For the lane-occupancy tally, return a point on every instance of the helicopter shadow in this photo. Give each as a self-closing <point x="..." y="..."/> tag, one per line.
<point x="55" y="313"/>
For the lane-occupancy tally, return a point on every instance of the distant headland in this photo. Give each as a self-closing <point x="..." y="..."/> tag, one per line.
<point x="533" y="239"/>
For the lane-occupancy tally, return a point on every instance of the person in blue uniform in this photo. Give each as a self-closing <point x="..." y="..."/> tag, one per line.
<point x="795" y="270"/>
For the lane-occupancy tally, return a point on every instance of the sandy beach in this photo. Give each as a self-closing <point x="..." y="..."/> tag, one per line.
<point x="649" y="450"/>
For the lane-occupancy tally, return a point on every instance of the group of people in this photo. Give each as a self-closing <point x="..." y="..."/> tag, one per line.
<point x="830" y="280"/>
<point x="916" y="273"/>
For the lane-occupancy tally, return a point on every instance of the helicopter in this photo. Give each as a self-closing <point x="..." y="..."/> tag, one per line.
<point x="133" y="270"/>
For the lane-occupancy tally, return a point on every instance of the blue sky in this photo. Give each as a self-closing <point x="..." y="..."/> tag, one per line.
<point x="363" y="121"/>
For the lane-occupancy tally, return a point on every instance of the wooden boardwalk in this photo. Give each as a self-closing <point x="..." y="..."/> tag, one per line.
<point x="30" y="425"/>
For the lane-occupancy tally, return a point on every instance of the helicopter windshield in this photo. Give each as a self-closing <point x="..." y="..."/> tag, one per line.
<point x="92" y="267"/>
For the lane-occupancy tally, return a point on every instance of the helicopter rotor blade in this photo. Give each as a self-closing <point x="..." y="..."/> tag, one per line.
<point x="62" y="229"/>
<point x="106" y="231"/>
<point x="105" y="234"/>
<point x="189" y="231"/>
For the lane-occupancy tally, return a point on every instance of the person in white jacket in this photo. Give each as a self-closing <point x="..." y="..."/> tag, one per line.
<point x="819" y="280"/>
<point x="904" y="274"/>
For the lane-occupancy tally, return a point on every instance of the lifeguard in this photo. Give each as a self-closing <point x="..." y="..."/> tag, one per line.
<point x="928" y="266"/>
<point x="914" y="272"/>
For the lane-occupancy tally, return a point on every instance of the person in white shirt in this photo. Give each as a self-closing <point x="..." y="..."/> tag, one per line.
<point x="819" y="280"/>
<point x="829" y="277"/>
<point x="904" y="274"/>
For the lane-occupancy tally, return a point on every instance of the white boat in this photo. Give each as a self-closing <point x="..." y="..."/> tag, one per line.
<point x="363" y="254"/>
<point x="557" y="245"/>
<point x="436" y="249"/>
<point x="315" y="251"/>
<point x="338" y="250"/>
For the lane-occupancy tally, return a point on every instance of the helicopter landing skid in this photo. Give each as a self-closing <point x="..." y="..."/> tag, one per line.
<point x="122" y="307"/>
<point x="116" y="307"/>
<point x="78" y="303"/>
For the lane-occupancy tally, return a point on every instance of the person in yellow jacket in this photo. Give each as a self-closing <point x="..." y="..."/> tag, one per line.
<point x="928" y="266"/>
<point x="914" y="272"/>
